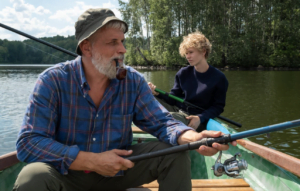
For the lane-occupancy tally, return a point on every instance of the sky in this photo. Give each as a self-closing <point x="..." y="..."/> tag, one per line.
<point x="46" y="18"/>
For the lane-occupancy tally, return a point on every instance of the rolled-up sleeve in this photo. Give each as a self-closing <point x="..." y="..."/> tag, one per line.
<point x="36" y="140"/>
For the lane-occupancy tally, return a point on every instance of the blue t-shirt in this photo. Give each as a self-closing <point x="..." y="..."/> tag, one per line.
<point x="206" y="90"/>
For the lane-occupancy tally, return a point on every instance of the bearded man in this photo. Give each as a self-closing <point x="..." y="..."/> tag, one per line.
<point x="77" y="133"/>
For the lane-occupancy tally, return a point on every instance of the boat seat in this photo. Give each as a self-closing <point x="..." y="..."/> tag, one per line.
<point x="205" y="185"/>
<point x="135" y="129"/>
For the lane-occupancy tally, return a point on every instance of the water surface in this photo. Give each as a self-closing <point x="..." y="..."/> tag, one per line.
<point x="15" y="88"/>
<point x="256" y="99"/>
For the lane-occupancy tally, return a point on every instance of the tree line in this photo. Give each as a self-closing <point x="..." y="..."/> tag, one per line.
<point x="32" y="52"/>
<point x="244" y="33"/>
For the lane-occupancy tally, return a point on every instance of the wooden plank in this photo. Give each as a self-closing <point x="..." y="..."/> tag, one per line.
<point x="208" y="183"/>
<point x="283" y="160"/>
<point x="8" y="160"/>
<point x="199" y="189"/>
<point x="199" y="183"/>
<point x="224" y="189"/>
<point x="137" y="130"/>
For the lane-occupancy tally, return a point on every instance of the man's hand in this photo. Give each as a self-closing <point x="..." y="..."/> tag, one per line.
<point x="152" y="87"/>
<point x="192" y="136"/>
<point x="108" y="163"/>
<point x="194" y="121"/>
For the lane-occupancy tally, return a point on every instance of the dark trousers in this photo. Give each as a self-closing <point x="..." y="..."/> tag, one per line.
<point x="171" y="171"/>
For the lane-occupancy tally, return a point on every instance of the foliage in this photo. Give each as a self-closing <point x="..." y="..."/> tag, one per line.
<point x="244" y="33"/>
<point x="30" y="51"/>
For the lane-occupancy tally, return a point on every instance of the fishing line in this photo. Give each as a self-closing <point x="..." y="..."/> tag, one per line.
<point x="42" y="51"/>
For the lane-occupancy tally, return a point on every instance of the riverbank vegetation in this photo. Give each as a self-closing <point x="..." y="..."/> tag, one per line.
<point x="244" y="34"/>
<point x="31" y="52"/>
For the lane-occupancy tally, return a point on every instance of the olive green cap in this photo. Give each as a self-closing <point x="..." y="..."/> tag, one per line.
<point x="92" y="20"/>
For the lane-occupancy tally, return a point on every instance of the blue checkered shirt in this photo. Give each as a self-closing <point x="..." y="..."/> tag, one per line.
<point x="62" y="119"/>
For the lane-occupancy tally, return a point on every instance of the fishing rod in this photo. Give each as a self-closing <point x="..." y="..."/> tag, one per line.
<point x="222" y="140"/>
<point x="38" y="40"/>
<point x="195" y="106"/>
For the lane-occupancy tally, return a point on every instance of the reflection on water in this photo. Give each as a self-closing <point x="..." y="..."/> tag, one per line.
<point x="254" y="98"/>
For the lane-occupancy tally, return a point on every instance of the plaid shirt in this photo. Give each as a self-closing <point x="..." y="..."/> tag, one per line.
<point x="62" y="119"/>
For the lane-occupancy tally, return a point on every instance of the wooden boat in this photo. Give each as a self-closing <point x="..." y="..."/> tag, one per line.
<point x="268" y="169"/>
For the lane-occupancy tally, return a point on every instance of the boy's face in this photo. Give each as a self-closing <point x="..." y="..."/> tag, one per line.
<point x="194" y="57"/>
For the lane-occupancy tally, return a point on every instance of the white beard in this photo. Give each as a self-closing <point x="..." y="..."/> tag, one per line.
<point x="104" y="66"/>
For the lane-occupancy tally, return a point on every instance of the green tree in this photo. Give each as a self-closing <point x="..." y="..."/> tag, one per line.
<point x="3" y="54"/>
<point x="244" y="33"/>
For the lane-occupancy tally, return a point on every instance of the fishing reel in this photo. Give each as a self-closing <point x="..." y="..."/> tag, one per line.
<point x="231" y="167"/>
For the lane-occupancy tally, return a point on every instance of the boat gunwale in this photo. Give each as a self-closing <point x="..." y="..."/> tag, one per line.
<point x="285" y="161"/>
<point x="8" y="160"/>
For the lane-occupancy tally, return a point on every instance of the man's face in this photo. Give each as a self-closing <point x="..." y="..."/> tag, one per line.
<point x="108" y="45"/>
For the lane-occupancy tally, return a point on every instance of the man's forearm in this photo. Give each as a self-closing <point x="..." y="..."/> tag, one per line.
<point x="187" y="137"/>
<point x="83" y="161"/>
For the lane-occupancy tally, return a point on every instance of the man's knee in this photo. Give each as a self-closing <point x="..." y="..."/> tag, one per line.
<point x="36" y="175"/>
<point x="182" y="158"/>
<point x="161" y="145"/>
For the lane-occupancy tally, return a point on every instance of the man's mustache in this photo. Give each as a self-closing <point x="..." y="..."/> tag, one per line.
<point x="121" y="57"/>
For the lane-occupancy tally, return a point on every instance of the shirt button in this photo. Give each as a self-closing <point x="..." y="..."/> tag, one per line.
<point x="94" y="139"/>
<point x="97" y="115"/>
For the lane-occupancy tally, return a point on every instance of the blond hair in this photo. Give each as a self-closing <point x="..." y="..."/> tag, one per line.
<point x="195" y="40"/>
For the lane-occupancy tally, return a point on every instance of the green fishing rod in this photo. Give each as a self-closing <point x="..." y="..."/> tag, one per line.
<point x="195" y="106"/>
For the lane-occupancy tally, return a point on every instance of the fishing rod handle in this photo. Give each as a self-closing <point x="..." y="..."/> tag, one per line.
<point x="224" y="139"/>
<point x="162" y="152"/>
<point x="170" y="95"/>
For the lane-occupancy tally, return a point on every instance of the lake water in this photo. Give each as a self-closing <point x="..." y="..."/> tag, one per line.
<point x="254" y="98"/>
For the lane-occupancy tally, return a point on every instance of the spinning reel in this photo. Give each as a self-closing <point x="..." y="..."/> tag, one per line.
<point x="231" y="167"/>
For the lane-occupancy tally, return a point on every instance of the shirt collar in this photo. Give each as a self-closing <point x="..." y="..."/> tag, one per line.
<point x="78" y="65"/>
